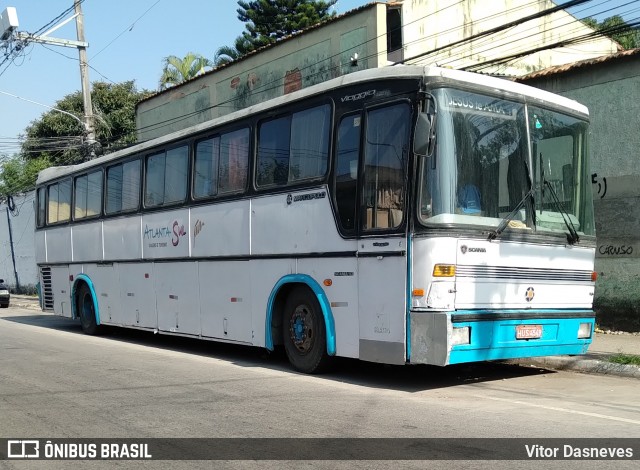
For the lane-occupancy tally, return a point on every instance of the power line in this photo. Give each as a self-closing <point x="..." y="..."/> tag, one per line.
<point x="129" y="28"/>
<point x="524" y="37"/>
<point x="58" y="18"/>
<point x="498" y="29"/>
<point x="75" y="59"/>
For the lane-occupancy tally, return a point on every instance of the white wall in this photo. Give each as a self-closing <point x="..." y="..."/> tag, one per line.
<point x="22" y="226"/>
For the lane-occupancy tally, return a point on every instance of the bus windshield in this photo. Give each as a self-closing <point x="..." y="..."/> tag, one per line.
<point x="495" y="156"/>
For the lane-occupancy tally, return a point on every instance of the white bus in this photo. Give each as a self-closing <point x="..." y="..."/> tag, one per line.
<point x="407" y="215"/>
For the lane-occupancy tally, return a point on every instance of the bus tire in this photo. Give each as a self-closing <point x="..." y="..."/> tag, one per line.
<point x="85" y="310"/>
<point x="305" y="338"/>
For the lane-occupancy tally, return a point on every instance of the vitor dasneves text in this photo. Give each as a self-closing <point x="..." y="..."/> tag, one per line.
<point x="536" y="451"/>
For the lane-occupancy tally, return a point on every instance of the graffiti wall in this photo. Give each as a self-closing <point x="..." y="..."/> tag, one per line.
<point x="605" y="87"/>
<point x="339" y="48"/>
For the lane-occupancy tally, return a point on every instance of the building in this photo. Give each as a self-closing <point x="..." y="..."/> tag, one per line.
<point x="609" y="86"/>
<point x="483" y="35"/>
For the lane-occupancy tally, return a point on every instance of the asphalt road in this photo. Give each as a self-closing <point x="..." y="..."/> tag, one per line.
<point x="56" y="382"/>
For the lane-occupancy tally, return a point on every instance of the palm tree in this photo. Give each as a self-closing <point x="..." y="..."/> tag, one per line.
<point x="225" y="54"/>
<point x="176" y="70"/>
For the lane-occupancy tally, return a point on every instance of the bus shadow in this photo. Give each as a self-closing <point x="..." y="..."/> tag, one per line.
<point x="405" y="378"/>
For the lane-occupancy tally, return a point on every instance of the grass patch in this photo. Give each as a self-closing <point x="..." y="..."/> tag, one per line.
<point x="621" y="358"/>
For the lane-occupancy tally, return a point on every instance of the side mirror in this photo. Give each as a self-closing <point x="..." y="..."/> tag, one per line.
<point x="421" y="135"/>
<point x="424" y="140"/>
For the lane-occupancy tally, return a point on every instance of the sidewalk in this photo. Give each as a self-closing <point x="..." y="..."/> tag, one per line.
<point x="25" y="301"/>
<point x="595" y="361"/>
<point x="604" y="345"/>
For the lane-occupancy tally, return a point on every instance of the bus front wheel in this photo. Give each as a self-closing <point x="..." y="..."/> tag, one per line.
<point x="85" y="310"/>
<point x="305" y="338"/>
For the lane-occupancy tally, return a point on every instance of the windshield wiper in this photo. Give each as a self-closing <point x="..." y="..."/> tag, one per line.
<point x="509" y="217"/>
<point x="572" y="236"/>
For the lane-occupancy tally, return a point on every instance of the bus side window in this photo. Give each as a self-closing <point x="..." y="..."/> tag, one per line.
<point x="384" y="171"/>
<point x="59" y="202"/>
<point x="346" y="173"/>
<point x="234" y="161"/>
<point x="273" y="151"/>
<point x="123" y="187"/>
<point x="42" y="207"/>
<point x="88" y="195"/>
<point x="166" y="177"/>
<point x="309" y="143"/>
<point x="205" y="177"/>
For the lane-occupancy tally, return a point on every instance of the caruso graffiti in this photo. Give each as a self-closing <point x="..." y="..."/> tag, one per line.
<point x="159" y="234"/>
<point x="616" y="250"/>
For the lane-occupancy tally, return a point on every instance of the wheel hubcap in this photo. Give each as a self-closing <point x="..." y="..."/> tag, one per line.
<point x="301" y="329"/>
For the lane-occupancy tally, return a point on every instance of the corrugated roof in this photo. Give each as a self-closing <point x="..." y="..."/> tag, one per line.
<point x="279" y="41"/>
<point x="576" y="65"/>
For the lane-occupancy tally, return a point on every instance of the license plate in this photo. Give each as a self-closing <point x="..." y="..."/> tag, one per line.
<point x="528" y="331"/>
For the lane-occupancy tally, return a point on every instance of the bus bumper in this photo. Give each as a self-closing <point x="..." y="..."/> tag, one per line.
<point x="442" y="338"/>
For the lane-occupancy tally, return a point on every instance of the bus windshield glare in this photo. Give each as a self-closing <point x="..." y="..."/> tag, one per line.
<point x="491" y="152"/>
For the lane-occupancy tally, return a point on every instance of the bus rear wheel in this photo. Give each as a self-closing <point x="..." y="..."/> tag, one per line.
<point x="305" y="338"/>
<point x="85" y="310"/>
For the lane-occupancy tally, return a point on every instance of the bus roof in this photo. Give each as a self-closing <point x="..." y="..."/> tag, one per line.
<point x="429" y="73"/>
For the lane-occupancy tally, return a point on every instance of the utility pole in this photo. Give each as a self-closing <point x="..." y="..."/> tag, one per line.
<point x="13" y="256"/>
<point x="84" y="78"/>
<point x="10" y="34"/>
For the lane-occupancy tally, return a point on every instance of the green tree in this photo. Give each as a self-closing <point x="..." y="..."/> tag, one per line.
<point x="58" y="137"/>
<point x="18" y="175"/>
<point x="617" y="29"/>
<point x="177" y="70"/>
<point x="267" y="21"/>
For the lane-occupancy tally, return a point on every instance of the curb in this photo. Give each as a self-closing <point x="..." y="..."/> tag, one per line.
<point x="581" y="364"/>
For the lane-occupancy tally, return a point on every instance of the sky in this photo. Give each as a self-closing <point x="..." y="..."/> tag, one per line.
<point x="128" y="41"/>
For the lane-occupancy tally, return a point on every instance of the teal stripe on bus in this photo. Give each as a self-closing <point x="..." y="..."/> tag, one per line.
<point x="325" y="306"/>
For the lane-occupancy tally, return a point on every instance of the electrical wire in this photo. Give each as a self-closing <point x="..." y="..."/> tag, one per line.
<point x="129" y="28"/>
<point x="580" y="26"/>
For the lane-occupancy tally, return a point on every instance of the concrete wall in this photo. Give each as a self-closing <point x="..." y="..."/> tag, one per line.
<point x="610" y="91"/>
<point x="325" y="52"/>
<point x="22" y="226"/>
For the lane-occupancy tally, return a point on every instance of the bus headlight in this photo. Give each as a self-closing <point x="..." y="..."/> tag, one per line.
<point x="461" y="335"/>
<point x="584" y="332"/>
